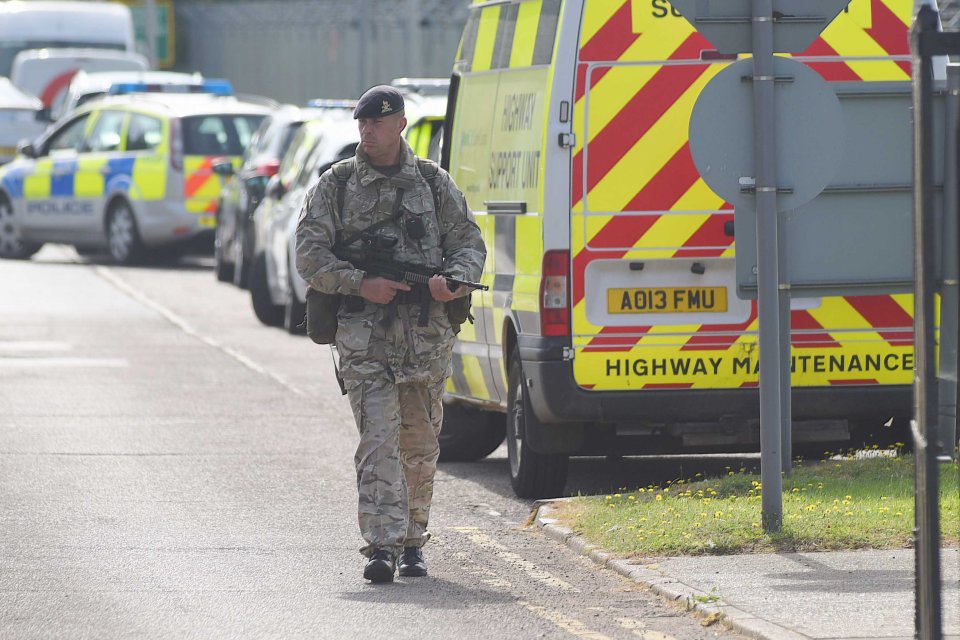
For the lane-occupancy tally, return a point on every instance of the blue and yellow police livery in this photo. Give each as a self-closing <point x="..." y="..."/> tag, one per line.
<point x="125" y="174"/>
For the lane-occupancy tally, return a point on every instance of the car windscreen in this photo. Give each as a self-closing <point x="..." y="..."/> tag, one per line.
<point x="218" y="134"/>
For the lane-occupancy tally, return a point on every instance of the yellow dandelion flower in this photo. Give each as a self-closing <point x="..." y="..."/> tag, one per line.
<point x="848" y="497"/>
<point x="659" y="498"/>
<point x="632" y="498"/>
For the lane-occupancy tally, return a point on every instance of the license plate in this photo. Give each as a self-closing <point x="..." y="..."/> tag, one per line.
<point x="667" y="300"/>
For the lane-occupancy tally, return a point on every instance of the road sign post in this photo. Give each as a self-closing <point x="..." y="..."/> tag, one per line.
<point x="929" y="431"/>
<point x="765" y="27"/>
<point x="773" y="370"/>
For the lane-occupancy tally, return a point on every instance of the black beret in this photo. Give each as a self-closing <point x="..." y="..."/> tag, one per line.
<point x="378" y="101"/>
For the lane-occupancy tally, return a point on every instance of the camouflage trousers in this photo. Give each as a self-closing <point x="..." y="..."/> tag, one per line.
<point x="396" y="459"/>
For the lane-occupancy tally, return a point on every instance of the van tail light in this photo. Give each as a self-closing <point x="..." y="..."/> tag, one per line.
<point x="176" y="145"/>
<point x="268" y="168"/>
<point x="554" y="294"/>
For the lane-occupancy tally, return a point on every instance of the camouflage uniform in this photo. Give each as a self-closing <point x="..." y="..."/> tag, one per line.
<point x="394" y="371"/>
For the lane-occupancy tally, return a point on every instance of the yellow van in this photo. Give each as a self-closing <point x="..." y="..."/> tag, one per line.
<point x="125" y="174"/>
<point x="613" y="325"/>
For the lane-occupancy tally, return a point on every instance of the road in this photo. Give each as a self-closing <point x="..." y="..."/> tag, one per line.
<point x="171" y="468"/>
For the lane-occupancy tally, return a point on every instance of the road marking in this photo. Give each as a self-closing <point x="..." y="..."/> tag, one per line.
<point x="487" y="576"/>
<point x="564" y="622"/>
<point x="511" y="558"/>
<point x="187" y="328"/>
<point x="52" y="363"/>
<point x="637" y="627"/>
<point x="22" y="346"/>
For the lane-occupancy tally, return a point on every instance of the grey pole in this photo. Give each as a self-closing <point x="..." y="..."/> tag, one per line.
<point x="150" y="20"/>
<point x="927" y="616"/>
<point x="949" y="294"/>
<point x="768" y="271"/>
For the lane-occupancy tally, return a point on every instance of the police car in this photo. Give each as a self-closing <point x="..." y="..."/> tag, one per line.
<point x="126" y="173"/>
<point x="90" y="85"/>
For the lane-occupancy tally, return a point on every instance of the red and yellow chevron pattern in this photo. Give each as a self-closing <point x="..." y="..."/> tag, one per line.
<point x="636" y="194"/>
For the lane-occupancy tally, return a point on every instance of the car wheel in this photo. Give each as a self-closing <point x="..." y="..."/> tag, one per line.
<point x="266" y="311"/>
<point x="470" y="434"/>
<point x="294" y="313"/>
<point x="532" y="474"/>
<point x="221" y="268"/>
<point x="11" y="247"/>
<point x="123" y="238"/>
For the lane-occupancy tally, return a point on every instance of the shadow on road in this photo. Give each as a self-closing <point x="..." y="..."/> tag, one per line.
<point x="598" y="475"/>
<point x="418" y="592"/>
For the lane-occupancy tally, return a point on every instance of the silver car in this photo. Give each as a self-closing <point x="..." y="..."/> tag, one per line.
<point x="277" y="291"/>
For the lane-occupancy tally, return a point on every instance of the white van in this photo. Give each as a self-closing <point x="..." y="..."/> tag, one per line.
<point x="46" y="73"/>
<point x="44" y="24"/>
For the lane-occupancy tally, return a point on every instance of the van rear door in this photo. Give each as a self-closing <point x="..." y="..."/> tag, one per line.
<point x="651" y="244"/>
<point x="653" y="281"/>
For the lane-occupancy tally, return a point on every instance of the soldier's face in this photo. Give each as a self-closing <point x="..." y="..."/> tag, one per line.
<point x="380" y="137"/>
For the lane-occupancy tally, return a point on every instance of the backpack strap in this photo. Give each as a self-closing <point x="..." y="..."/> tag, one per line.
<point x="431" y="171"/>
<point x="342" y="172"/>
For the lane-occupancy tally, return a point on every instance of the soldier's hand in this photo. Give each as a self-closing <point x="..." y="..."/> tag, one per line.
<point x="381" y="290"/>
<point x="440" y="291"/>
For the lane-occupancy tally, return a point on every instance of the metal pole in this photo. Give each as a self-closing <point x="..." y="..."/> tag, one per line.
<point x="786" y="362"/>
<point x="926" y="519"/>
<point x="949" y="294"/>
<point x="150" y="20"/>
<point x="768" y="272"/>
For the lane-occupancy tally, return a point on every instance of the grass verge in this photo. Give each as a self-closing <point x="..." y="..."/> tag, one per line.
<point x="841" y="503"/>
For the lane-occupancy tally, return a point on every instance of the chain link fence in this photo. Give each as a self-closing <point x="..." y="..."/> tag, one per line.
<point x="294" y="50"/>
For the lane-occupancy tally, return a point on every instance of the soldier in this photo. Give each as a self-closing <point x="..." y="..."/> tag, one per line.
<point x="394" y="370"/>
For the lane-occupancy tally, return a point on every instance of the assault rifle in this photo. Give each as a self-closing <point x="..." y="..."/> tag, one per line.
<point x="379" y="263"/>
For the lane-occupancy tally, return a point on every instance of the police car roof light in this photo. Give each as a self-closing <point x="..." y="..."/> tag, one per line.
<point x="215" y="86"/>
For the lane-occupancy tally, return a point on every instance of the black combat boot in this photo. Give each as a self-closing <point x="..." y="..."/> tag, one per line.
<point x="380" y="566"/>
<point x="412" y="564"/>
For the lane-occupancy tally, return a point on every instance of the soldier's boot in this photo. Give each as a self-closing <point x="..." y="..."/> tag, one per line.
<point x="380" y="566"/>
<point x="412" y="564"/>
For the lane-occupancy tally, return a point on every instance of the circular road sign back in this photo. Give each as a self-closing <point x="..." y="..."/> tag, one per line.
<point x="809" y="133"/>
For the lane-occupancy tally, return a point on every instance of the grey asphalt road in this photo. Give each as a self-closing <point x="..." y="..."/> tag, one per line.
<point x="171" y="469"/>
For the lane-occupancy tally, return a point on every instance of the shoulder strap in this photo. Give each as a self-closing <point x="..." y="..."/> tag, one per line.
<point x="342" y="172"/>
<point x="431" y="171"/>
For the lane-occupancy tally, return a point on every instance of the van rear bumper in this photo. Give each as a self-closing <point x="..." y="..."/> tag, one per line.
<point x="557" y="398"/>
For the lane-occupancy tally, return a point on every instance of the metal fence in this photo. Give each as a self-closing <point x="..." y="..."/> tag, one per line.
<point x="294" y="50"/>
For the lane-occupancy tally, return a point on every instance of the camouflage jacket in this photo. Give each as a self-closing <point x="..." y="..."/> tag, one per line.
<point x="387" y="337"/>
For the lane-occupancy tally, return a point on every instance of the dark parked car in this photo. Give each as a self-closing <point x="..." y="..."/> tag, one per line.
<point x="233" y="246"/>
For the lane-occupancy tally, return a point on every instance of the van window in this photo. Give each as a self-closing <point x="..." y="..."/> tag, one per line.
<point x="218" y="135"/>
<point x="68" y="137"/>
<point x="144" y="133"/>
<point x="106" y="133"/>
<point x="10" y="49"/>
